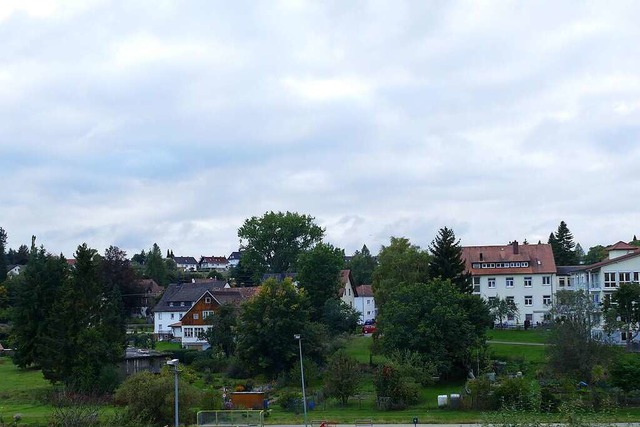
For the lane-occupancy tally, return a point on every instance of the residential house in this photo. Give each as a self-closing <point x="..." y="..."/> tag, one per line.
<point x="234" y="258"/>
<point x="603" y="278"/>
<point x="365" y="303"/>
<point x="194" y="323"/>
<point x="218" y="263"/>
<point x="14" y="270"/>
<point x="525" y="274"/>
<point x="177" y="299"/>
<point x="347" y="292"/>
<point x="150" y="291"/>
<point x="186" y="263"/>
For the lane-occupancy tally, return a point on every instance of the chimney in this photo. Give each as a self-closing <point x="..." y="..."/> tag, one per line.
<point x="515" y="247"/>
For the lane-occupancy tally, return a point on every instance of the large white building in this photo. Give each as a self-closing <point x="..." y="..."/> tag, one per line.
<point x="525" y="274"/>
<point x="603" y="278"/>
<point x="365" y="303"/>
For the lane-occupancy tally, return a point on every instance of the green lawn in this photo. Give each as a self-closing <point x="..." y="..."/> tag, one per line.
<point x="167" y="346"/>
<point x="538" y="335"/>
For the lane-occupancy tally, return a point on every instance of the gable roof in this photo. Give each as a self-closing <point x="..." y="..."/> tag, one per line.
<point x="235" y="256"/>
<point x="538" y="256"/>
<point x="185" y="260"/>
<point x="150" y="286"/>
<point x="606" y="262"/>
<point x="214" y="260"/>
<point x="365" y="291"/>
<point x="345" y="279"/>
<point x="185" y="292"/>
<point x="622" y="246"/>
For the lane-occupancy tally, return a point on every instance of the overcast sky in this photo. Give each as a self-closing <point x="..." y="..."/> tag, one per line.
<point x="132" y="122"/>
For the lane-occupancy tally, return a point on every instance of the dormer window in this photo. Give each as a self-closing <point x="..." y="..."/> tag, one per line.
<point x="207" y="300"/>
<point x="171" y="304"/>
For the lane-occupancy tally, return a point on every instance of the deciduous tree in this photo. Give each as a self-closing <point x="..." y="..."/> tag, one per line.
<point x="273" y="242"/>
<point x="222" y="333"/>
<point x="319" y="275"/>
<point x="622" y="311"/>
<point x="502" y="308"/>
<point x="362" y="264"/>
<point x="595" y="254"/>
<point x="342" y="377"/>
<point x="399" y="262"/>
<point x="446" y="260"/>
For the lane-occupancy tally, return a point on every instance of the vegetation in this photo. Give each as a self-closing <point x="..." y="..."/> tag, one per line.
<point x="502" y="308"/>
<point x="362" y="265"/>
<point x="563" y="246"/>
<point x="446" y="261"/>
<point x="622" y="311"/>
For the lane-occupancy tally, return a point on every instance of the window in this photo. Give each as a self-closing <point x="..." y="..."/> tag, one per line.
<point x="491" y="282"/>
<point x="527" y="282"/>
<point x="188" y="332"/>
<point x="528" y="300"/>
<point x="475" y="265"/>
<point x="624" y="277"/>
<point x="206" y="314"/>
<point x="609" y="280"/>
<point x="635" y="277"/>
<point x="546" y="280"/>
<point x="182" y="304"/>
<point x="492" y="300"/>
<point x="596" y="298"/>
<point x="476" y="289"/>
<point x="159" y="315"/>
<point x="561" y="282"/>
<point x="524" y="264"/>
<point x="171" y="304"/>
<point x="476" y="284"/>
<point x="510" y="300"/>
<point x="509" y="281"/>
<point x="368" y="301"/>
<point x="195" y="316"/>
<point x="172" y="315"/>
<point x="476" y="280"/>
<point x="546" y="299"/>
<point x="159" y="327"/>
<point x="207" y="300"/>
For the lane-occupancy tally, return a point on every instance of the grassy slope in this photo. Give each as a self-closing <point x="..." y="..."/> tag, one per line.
<point x="21" y="392"/>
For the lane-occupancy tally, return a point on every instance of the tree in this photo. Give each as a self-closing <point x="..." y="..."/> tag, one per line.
<point x="362" y="264"/>
<point x="571" y="349"/>
<point x="339" y="317"/>
<point x="563" y="246"/>
<point x="446" y="261"/>
<point x="273" y="242"/>
<point x="85" y="331"/>
<point x="241" y="275"/>
<point x="634" y="241"/>
<point x="36" y="293"/>
<point x="502" y="308"/>
<point x="342" y="377"/>
<point x="222" y="333"/>
<point x="117" y="272"/>
<point x="400" y="262"/>
<point x="3" y="255"/>
<point x="432" y="319"/>
<point x="140" y="258"/>
<point x="267" y="325"/>
<point x="155" y="267"/>
<point x="622" y="311"/>
<point x="579" y="254"/>
<point x="319" y="274"/>
<point x="596" y="254"/>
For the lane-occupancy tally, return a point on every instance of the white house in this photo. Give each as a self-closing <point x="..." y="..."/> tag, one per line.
<point x="347" y="290"/>
<point x="365" y="303"/>
<point x="218" y="263"/>
<point x="603" y="278"/>
<point x="525" y="274"/>
<point x="175" y="302"/>
<point x="186" y="263"/>
<point x="14" y="270"/>
<point x="234" y="258"/>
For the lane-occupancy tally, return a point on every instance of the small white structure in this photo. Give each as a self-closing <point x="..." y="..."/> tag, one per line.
<point x="365" y="303"/>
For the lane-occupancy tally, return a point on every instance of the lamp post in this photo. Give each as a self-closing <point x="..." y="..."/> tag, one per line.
<point x="174" y="363"/>
<point x="304" y="396"/>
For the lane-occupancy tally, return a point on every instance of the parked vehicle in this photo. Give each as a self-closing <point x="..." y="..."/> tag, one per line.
<point x="369" y="329"/>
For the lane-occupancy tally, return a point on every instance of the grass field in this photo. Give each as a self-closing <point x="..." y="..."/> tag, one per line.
<point x="538" y="335"/>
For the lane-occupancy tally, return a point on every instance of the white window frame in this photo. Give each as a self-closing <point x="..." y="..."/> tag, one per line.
<point x="528" y="282"/>
<point x="546" y="299"/>
<point x="509" y="282"/>
<point x="546" y="280"/>
<point x="528" y="300"/>
<point x="491" y="282"/>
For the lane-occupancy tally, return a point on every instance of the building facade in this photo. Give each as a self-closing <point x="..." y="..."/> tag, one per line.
<point x="525" y="274"/>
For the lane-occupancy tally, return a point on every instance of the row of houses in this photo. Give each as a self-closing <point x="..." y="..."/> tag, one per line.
<point x="523" y="273"/>
<point x="183" y="309"/>
<point x="207" y="263"/>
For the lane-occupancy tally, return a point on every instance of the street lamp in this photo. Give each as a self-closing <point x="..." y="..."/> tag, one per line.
<point x="304" y="396"/>
<point x="174" y="363"/>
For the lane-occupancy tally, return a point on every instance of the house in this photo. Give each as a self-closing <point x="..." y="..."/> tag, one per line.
<point x="525" y="274"/>
<point x="234" y="258"/>
<point x="365" y="303"/>
<point x="150" y="291"/>
<point x="347" y="292"/>
<point x="14" y="270"/>
<point x="175" y="302"/>
<point x="194" y="323"/>
<point x="218" y="263"/>
<point x="603" y="278"/>
<point x="186" y="263"/>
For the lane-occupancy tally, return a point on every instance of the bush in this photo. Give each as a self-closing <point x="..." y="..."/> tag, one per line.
<point x="625" y="372"/>
<point x="481" y="394"/>
<point x="516" y="393"/>
<point x="149" y="398"/>
<point x="412" y="365"/>
<point x="186" y="356"/>
<point x="290" y="401"/>
<point x="397" y="391"/>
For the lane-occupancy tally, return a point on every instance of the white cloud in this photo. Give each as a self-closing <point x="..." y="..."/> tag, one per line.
<point x="327" y="89"/>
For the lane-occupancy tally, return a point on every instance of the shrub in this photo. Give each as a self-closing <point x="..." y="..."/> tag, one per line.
<point x="290" y="401"/>
<point x="481" y="394"/>
<point x="516" y="393"/>
<point x="398" y="392"/>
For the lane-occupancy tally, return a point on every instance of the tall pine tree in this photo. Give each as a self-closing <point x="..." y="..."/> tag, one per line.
<point x="563" y="246"/>
<point x="362" y="264"/>
<point x="3" y="254"/>
<point x="446" y="261"/>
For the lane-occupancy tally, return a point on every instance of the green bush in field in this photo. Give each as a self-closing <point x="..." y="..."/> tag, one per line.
<point x="518" y="393"/>
<point x="390" y="384"/>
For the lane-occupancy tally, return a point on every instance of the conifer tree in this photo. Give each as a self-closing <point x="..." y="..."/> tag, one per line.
<point x="563" y="246"/>
<point x="446" y="261"/>
<point x="3" y="255"/>
<point x="362" y="265"/>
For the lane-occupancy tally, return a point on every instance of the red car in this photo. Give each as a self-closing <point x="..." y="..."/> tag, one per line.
<point x="368" y="329"/>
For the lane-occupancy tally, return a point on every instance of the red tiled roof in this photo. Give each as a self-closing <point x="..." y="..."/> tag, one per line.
<point x="597" y="265"/>
<point x="539" y="257"/>
<point x="622" y="246"/>
<point x="364" y="291"/>
<point x="215" y="259"/>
